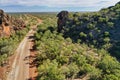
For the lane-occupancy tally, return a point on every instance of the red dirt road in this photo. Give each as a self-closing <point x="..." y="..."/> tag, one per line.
<point x="20" y="68"/>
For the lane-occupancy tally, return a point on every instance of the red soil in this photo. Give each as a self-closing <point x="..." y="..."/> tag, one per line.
<point x="6" y="30"/>
<point x="33" y="73"/>
<point x="6" y="68"/>
<point x="32" y="69"/>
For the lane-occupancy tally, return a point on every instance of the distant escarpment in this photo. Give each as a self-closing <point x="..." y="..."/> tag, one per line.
<point x="9" y="24"/>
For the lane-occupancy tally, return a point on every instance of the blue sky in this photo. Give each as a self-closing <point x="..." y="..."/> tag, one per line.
<point x="54" y="5"/>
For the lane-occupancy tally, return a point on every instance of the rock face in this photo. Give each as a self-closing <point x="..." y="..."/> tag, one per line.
<point x="62" y="18"/>
<point x="9" y="24"/>
<point x="1" y="16"/>
<point x="4" y="24"/>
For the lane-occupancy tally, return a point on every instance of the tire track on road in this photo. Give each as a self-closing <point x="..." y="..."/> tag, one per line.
<point x="20" y="67"/>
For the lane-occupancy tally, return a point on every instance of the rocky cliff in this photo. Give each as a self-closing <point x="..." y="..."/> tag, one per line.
<point x="62" y="18"/>
<point x="9" y="24"/>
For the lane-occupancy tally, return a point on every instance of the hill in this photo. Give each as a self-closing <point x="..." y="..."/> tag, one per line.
<point x="99" y="29"/>
<point x="81" y="49"/>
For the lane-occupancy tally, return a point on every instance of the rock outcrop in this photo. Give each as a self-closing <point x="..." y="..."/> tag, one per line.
<point x="62" y="18"/>
<point x="4" y="24"/>
<point x="9" y="24"/>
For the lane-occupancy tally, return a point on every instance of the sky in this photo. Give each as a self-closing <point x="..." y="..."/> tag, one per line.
<point x="54" y="5"/>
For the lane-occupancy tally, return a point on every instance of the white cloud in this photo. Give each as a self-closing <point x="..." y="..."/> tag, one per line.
<point x="61" y="3"/>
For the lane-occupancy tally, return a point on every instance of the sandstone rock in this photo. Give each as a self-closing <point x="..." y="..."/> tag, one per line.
<point x="3" y="23"/>
<point x="62" y="18"/>
<point x="9" y="24"/>
<point x="1" y="16"/>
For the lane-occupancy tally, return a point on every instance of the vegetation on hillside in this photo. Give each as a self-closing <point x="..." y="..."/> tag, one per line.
<point x="76" y="53"/>
<point x="99" y="29"/>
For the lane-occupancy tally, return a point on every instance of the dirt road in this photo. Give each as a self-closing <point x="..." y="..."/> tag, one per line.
<point x="20" y="67"/>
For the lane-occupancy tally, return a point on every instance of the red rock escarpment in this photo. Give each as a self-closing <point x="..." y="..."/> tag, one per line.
<point x="9" y="24"/>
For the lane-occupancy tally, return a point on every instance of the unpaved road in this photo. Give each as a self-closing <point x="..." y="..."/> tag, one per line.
<point x="20" y="67"/>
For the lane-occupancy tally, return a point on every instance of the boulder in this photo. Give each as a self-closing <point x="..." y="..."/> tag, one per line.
<point x="62" y="18"/>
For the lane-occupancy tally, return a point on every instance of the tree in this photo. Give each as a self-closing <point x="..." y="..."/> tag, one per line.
<point x="110" y="68"/>
<point x="73" y="70"/>
<point x="90" y="26"/>
<point x="83" y="36"/>
<point x="110" y="24"/>
<point x="106" y="40"/>
<point x="106" y="34"/>
<point x="50" y="71"/>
